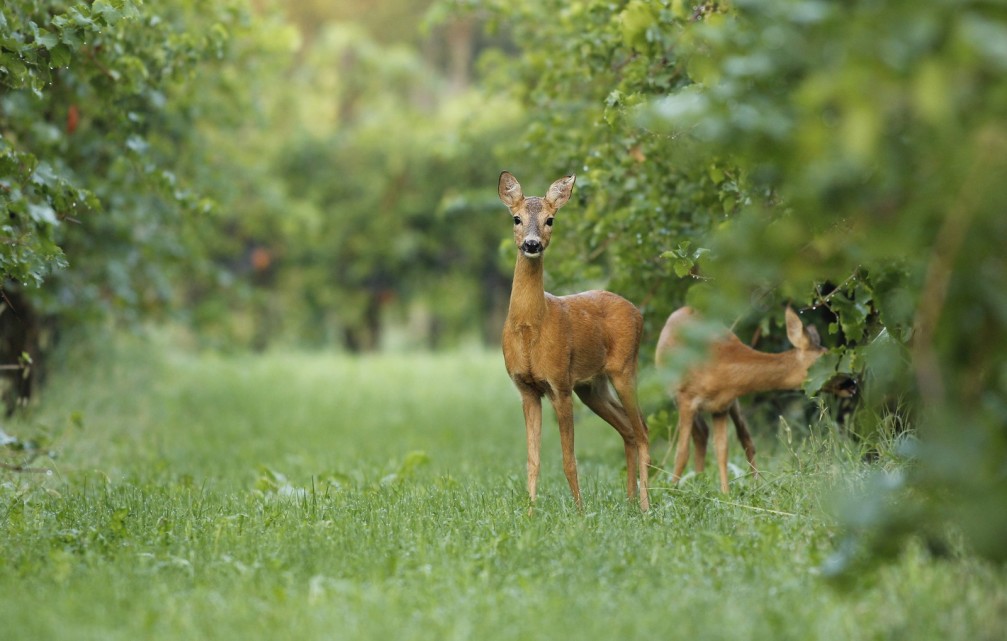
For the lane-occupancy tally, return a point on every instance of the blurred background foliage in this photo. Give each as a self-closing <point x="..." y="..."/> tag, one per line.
<point x="310" y="173"/>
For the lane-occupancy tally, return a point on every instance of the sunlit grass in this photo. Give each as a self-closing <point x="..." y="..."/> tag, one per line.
<point x="318" y="496"/>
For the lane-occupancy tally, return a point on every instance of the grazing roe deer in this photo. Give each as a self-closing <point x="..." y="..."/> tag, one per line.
<point x="556" y="346"/>
<point x="731" y="369"/>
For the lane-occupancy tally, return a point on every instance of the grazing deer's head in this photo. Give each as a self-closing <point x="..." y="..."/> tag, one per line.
<point x="533" y="216"/>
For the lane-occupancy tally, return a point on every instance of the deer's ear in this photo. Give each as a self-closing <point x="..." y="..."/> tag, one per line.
<point x="795" y="331"/>
<point x="812" y="332"/>
<point x="509" y="190"/>
<point x="559" y="192"/>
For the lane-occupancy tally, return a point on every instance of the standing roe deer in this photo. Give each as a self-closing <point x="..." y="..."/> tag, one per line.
<point x="731" y="369"/>
<point x="557" y="345"/>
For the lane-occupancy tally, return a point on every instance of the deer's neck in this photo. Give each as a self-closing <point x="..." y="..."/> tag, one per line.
<point x="527" y="297"/>
<point x="765" y="372"/>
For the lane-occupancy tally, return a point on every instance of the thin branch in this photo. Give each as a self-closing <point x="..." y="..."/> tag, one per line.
<point x="90" y="52"/>
<point x="824" y="300"/>
<point x="601" y="248"/>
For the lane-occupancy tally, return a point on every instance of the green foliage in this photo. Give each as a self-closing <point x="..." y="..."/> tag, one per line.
<point x="106" y="177"/>
<point x="883" y="162"/>
<point x="178" y="158"/>
<point x="845" y="157"/>
<point x="640" y="216"/>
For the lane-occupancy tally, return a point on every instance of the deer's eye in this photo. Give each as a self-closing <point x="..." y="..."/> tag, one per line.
<point x="517" y="220"/>
<point x="548" y="221"/>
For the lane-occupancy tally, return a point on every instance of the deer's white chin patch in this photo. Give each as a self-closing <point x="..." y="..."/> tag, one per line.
<point x="530" y="255"/>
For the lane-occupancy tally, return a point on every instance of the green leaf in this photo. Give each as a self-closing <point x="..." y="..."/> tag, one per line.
<point x="109" y="14"/>
<point x="716" y="174"/>
<point x="823" y="370"/>
<point x="42" y="213"/>
<point x="60" y="55"/>
<point x="80" y="19"/>
<point x="852" y="315"/>
<point x="635" y="20"/>
<point x="46" y="39"/>
<point x="682" y="267"/>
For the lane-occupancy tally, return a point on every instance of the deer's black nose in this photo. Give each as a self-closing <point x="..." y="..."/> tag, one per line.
<point x="531" y="246"/>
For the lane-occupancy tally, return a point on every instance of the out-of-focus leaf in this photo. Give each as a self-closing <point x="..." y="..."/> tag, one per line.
<point x="823" y="370"/>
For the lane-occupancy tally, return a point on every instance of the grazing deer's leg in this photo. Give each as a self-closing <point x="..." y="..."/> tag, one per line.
<point x="598" y="398"/>
<point x="532" y="405"/>
<point x="700" y="437"/>
<point x="741" y="427"/>
<point x="562" y="402"/>
<point x="685" y="420"/>
<point x="720" y="447"/>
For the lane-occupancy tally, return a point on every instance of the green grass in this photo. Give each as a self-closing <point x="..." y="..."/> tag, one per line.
<point x="317" y="496"/>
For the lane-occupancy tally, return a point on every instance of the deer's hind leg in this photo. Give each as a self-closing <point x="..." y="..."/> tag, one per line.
<point x="625" y="387"/>
<point x="597" y="396"/>
<point x="700" y="436"/>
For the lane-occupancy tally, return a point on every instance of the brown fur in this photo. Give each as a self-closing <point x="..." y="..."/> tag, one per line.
<point x="556" y="346"/>
<point x="732" y="369"/>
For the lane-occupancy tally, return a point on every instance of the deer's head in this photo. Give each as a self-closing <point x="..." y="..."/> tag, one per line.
<point x="533" y="216"/>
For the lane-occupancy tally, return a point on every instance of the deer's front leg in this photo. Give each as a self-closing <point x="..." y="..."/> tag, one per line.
<point x="563" y="404"/>
<point x="532" y="405"/>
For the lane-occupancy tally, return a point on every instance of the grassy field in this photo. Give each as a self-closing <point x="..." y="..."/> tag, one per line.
<point x="318" y="496"/>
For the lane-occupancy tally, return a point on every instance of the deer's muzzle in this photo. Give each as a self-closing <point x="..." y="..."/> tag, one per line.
<point x="532" y="247"/>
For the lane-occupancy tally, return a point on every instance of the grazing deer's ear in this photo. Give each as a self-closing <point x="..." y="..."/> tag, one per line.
<point x="795" y="331"/>
<point x="559" y="192"/>
<point x="509" y="190"/>
<point x="812" y="332"/>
